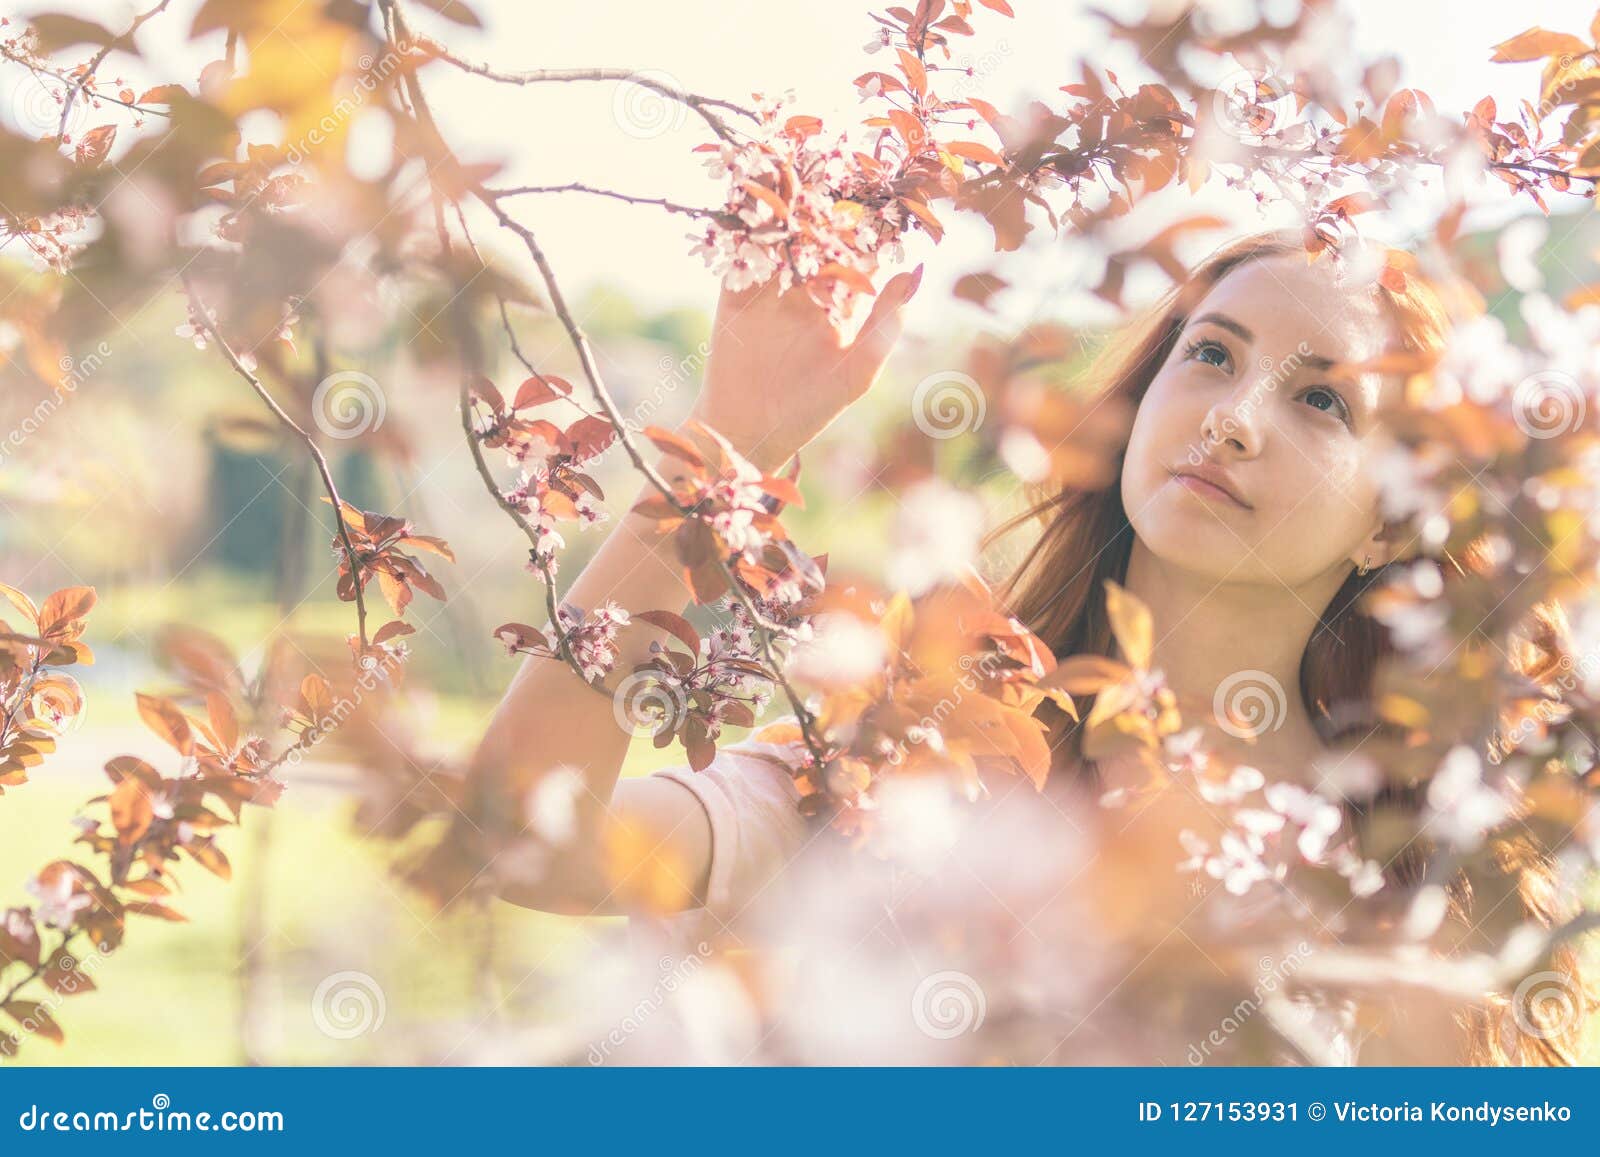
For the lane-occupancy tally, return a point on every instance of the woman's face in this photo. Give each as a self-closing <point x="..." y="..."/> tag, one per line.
<point x="1246" y="397"/>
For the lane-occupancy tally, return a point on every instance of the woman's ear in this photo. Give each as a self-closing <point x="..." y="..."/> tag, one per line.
<point x="1387" y="543"/>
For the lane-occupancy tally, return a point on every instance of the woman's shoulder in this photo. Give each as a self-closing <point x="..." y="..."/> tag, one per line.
<point x="750" y="797"/>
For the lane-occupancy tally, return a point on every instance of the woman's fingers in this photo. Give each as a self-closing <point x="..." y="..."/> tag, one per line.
<point x="881" y="330"/>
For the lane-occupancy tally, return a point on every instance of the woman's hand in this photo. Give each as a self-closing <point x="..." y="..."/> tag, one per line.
<point x="779" y="372"/>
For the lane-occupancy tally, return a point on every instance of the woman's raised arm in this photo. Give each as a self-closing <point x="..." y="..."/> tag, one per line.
<point x="778" y="373"/>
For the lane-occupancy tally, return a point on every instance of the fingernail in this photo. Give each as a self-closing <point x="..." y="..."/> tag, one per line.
<point x="916" y="280"/>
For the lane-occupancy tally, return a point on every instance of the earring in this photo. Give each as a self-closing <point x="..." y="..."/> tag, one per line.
<point x="1366" y="565"/>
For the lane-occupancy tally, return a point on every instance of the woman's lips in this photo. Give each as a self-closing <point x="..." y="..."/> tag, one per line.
<point x="1207" y="490"/>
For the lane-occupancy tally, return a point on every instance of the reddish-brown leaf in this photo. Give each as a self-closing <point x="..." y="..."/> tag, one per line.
<point x="536" y="391"/>
<point x="34" y="1017"/>
<point x="674" y="624"/>
<point x="95" y="145"/>
<point x="131" y="811"/>
<point x="164" y="717"/>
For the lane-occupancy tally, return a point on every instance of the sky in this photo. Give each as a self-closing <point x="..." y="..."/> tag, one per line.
<point x="560" y="133"/>
<point x="599" y="134"/>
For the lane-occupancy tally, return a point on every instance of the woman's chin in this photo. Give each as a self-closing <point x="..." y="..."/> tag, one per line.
<point x="1192" y="539"/>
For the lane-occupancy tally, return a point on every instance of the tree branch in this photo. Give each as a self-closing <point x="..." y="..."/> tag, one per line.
<point x="203" y="319"/>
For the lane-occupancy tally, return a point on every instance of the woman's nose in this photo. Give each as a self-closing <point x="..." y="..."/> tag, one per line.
<point x="1234" y="423"/>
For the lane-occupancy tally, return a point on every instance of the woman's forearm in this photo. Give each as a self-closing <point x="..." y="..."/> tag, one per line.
<point x="549" y="717"/>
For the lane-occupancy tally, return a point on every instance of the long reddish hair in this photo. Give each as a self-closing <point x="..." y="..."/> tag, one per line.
<point x="1058" y="591"/>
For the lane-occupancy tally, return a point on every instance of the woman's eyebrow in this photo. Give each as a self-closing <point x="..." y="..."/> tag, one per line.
<point x="1315" y="361"/>
<point x="1226" y="323"/>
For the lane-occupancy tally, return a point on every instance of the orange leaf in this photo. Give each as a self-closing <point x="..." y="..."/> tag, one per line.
<point x="777" y="204"/>
<point x="63" y="607"/>
<point x="1536" y="44"/>
<point x="854" y="278"/>
<point x="1131" y="623"/>
<point x="1085" y="674"/>
<point x="167" y="721"/>
<point x="131" y="811"/>
<point x="973" y="151"/>
<point x="916" y="75"/>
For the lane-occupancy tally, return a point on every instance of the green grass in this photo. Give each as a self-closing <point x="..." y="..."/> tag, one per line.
<point x="313" y="898"/>
<point x="172" y="994"/>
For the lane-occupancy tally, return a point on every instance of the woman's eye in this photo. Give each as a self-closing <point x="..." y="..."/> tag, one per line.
<point x="1328" y="401"/>
<point x="1210" y="352"/>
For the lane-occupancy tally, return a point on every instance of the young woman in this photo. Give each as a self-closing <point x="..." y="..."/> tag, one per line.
<point x="1247" y="517"/>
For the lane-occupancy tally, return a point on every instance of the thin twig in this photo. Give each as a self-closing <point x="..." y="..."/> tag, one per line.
<point x="203" y="318"/>
<point x="580" y="342"/>
<point x="38" y="969"/>
<point x="99" y="58"/>
<point x="701" y="105"/>
<point x="62" y="76"/>
<point x="578" y="187"/>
